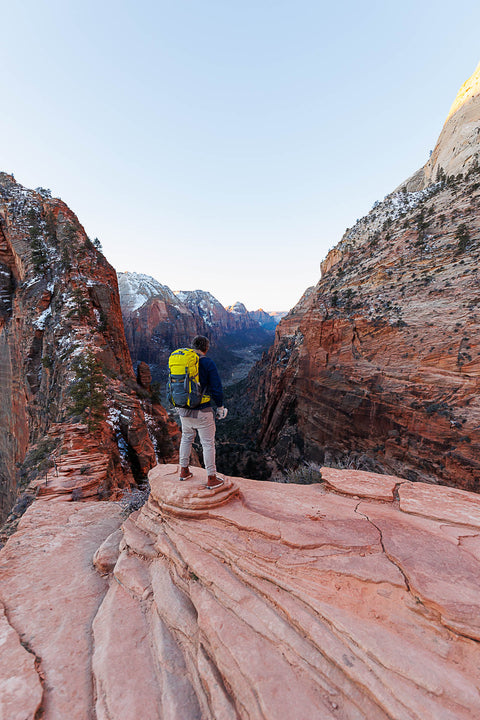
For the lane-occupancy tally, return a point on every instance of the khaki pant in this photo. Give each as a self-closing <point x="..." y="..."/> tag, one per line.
<point x="205" y="424"/>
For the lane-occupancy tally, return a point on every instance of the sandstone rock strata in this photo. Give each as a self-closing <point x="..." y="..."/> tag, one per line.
<point x="378" y="366"/>
<point x="59" y="304"/>
<point x="51" y="593"/>
<point x="20" y="684"/>
<point x="263" y="600"/>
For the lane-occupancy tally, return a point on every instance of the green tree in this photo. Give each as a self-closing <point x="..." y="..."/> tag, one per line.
<point x="39" y="252"/>
<point x="81" y="308"/>
<point x="89" y="390"/>
<point x="463" y="237"/>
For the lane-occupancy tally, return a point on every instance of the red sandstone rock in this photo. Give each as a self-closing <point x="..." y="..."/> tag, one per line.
<point x="20" y="684"/>
<point x="107" y="554"/>
<point x="254" y="600"/>
<point x="144" y="376"/>
<point x="59" y="301"/>
<point x="441" y="503"/>
<point x="378" y="366"/>
<point x="51" y="594"/>
<point x="361" y="484"/>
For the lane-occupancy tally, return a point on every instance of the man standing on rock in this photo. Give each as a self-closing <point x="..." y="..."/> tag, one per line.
<point x="202" y="418"/>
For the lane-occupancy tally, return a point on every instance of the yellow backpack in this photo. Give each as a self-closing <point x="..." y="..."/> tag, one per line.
<point x="183" y="384"/>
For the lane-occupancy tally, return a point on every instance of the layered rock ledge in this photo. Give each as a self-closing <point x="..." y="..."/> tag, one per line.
<point x="357" y="597"/>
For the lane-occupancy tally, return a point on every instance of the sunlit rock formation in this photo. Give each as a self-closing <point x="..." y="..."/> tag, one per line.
<point x="457" y="148"/>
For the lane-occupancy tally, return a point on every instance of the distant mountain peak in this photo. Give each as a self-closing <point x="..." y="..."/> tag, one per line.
<point x="136" y="289"/>
<point x="238" y="308"/>
<point x="469" y="90"/>
<point x="457" y="148"/>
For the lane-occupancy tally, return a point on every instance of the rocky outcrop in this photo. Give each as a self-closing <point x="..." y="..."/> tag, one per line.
<point x="457" y="148"/>
<point x="51" y="594"/>
<point x="61" y="330"/>
<point x="378" y="365"/>
<point x="355" y="597"/>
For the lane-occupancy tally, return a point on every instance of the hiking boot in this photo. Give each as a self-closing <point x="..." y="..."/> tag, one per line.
<point x="213" y="482"/>
<point x="185" y="473"/>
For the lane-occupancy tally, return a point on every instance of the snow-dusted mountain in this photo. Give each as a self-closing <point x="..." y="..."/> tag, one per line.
<point x="158" y="320"/>
<point x="136" y="289"/>
<point x="206" y="306"/>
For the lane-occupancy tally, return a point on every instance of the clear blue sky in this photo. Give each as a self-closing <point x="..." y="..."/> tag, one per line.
<point x="227" y="145"/>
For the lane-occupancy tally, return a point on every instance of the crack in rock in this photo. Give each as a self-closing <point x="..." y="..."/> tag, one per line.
<point x="407" y="583"/>
<point x="37" y="662"/>
<point x="424" y="602"/>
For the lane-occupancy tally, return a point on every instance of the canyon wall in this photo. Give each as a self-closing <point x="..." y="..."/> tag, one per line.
<point x="356" y="597"/>
<point x="378" y="365"/>
<point x="61" y="331"/>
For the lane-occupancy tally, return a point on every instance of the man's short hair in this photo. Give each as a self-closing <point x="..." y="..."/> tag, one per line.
<point x="201" y="343"/>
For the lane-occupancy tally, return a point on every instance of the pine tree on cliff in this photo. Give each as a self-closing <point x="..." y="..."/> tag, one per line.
<point x="88" y="391"/>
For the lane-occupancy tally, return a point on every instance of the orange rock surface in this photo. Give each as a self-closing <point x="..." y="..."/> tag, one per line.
<point x="51" y="593"/>
<point x="256" y="600"/>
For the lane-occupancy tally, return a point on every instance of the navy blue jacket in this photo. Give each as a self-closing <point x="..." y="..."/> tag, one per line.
<point x="210" y="381"/>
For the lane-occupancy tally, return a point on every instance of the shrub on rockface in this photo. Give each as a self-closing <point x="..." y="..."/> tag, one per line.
<point x="89" y="390"/>
<point x="38" y="460"/>
<point x="134" y="499"/>
<point x="307" y="474"/>
<point x="462" y="236"/>
<point x="81" y="307"/>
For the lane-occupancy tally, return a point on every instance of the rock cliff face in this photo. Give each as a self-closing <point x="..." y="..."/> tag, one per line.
<point x="61" y="330"/>
<point x="157" y="321"/>
<point x="353" y="598"/>
<point x="207" y="307"/>
<point x="457" y="149"/>
<point x="378" y="365"/>
<point x="268" y="320"/>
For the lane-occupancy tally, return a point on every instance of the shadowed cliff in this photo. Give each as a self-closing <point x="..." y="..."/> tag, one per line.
<point x="71" y="415"/>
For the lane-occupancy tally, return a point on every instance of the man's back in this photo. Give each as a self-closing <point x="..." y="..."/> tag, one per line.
<point x="210" y="381"/>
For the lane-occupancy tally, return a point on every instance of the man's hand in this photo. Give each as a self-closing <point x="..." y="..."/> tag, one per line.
<point x="221" y="413"/>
